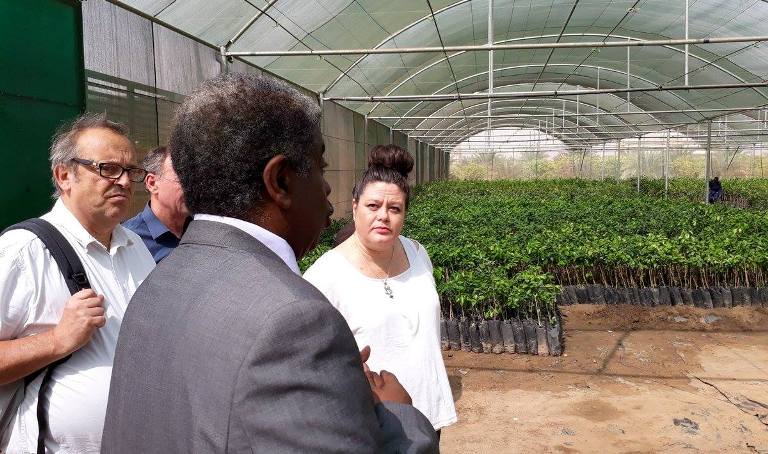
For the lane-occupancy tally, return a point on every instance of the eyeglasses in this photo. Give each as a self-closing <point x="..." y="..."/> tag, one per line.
<point x="114" y="171"/>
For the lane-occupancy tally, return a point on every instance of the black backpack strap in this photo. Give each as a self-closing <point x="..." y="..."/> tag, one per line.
<point x="61" y="251"/>
<point x="74" y="274"/>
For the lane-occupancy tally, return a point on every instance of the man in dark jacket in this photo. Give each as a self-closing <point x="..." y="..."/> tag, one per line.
<point x="715" y="190"/>
<point x="225" y="347"/>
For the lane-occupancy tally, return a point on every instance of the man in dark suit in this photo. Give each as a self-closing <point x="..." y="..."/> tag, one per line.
<point x="224" y="347"/>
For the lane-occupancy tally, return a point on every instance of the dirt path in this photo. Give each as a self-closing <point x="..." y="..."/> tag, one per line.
<point x="693" y="385"/>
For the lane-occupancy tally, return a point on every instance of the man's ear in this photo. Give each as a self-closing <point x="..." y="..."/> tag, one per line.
<point x="64" y="177"/>
<point x="151" y="183"/>
<point x="279" y="177"/>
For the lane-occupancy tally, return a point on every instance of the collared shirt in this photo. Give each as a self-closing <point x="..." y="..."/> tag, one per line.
<point x="32" y="298"/>
<point x="275" y="243"/>
<point x="156" y="236"/>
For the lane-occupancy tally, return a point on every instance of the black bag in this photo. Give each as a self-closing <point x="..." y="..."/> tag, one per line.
<point x="74" y="275"/>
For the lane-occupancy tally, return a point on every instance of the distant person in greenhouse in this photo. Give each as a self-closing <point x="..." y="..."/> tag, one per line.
<point x="715" y="190"/>
<point x="382" y="284"/>
<point x="162" y="221"/>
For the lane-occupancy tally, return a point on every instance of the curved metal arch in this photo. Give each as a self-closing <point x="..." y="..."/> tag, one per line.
<point x="556" y="64"/>
<point x="609" y="135"/>
<point x="464" y="134"/>
<point x="525" y="117"/>
<point x="614" y="116"/>
<point x="621" y="120"/>
<point x="683" y="100"/>
<point x="476" y="128"/>
<point x="524" y="38"/>
<point x="593" y="124"/>
<point x="534" y="65"/>
<point x="500" y="69"/>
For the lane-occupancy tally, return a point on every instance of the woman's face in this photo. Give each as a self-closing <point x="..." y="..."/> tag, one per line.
<point x="379" y="215"/>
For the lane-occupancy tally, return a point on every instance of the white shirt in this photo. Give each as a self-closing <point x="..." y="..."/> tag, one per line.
<point x="275" y="243"/>
<point x="32" y="297"/>
<point x="403" y="332"/>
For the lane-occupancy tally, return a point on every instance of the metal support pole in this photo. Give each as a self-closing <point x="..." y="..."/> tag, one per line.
<point x="578" y="103"/>
<point x="542" y="93"/>
<point x="538" y="144"/>
<point x="490" y="58"/>
<point x="597" y="98"/>
<point x="618" y="160"/>
<point x="593" y="114"/>
<point x="322" y="117"/>
<point x="707" y="163"/>
<point x="224" y="60"/>
<point x="686" y="37"/>
<point x="639" y="162"/>
<point x="554" y="126"/>
<point x="513" y="164"/>
<point x="628" y="79"/>
<point x="602" y="164"/>
<point x="247" y="25"/>
<point x="562" y="130"/>
<point x="512" y="124"/>
<point x="666" y="167"/>
<point x="485" y="48"/>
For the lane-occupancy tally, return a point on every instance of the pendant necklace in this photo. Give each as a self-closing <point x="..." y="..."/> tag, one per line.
<point x="387" y="288"/>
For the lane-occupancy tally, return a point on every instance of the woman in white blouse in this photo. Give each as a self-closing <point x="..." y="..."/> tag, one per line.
<point x="382" y="284"/>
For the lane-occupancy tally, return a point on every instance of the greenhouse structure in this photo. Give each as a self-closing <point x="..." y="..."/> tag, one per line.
<point x="617" y="88"/>
<point x="590" y="179"/>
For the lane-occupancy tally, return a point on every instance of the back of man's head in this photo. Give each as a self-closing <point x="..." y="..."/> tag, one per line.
<point x="154" y="160"/>
<point x="226" y="132"/>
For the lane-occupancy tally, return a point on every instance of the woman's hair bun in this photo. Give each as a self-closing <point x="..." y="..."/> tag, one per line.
<point x="391" y="157"/>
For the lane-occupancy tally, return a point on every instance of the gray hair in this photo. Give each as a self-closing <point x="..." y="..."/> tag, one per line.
<point x="226" y="132"/>
<point x="64" y="144"/>
<point x="153" y="161"/>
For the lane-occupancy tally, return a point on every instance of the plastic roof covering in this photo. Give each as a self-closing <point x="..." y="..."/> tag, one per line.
<point x="345" y="24"/>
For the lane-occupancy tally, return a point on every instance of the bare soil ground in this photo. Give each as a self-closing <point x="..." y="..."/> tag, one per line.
<point x="633" y="380"/>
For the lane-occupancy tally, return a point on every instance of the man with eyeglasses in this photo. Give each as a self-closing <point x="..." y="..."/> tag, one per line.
<point x="162" y="221"/>
<point x="94" y="169"/>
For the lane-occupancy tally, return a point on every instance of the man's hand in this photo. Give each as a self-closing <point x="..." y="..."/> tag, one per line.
<point x="386" y="388"/>
<point x="83" y="314"/>
<point x="365" y="353"/>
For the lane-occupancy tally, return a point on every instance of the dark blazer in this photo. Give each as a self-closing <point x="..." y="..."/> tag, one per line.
<point x="224" y="349"/>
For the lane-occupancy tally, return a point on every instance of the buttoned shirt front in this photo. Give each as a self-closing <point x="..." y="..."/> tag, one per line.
<point x="32" y="298"/>
<point x="156" y="236"/>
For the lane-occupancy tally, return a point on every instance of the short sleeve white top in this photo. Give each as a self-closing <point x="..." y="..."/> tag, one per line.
<point x="32" y="297"/>
<point x="403" y="332"/>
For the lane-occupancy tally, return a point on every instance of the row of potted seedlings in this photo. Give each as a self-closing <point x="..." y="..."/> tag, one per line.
<point x="706" y="298"/>
<point x="500" y="336"/>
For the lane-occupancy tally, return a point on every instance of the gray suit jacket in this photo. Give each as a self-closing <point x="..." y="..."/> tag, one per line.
<point x="224" y="349"/>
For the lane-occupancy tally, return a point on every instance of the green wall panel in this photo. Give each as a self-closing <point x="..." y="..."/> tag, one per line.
<point x="41" y="86"/>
